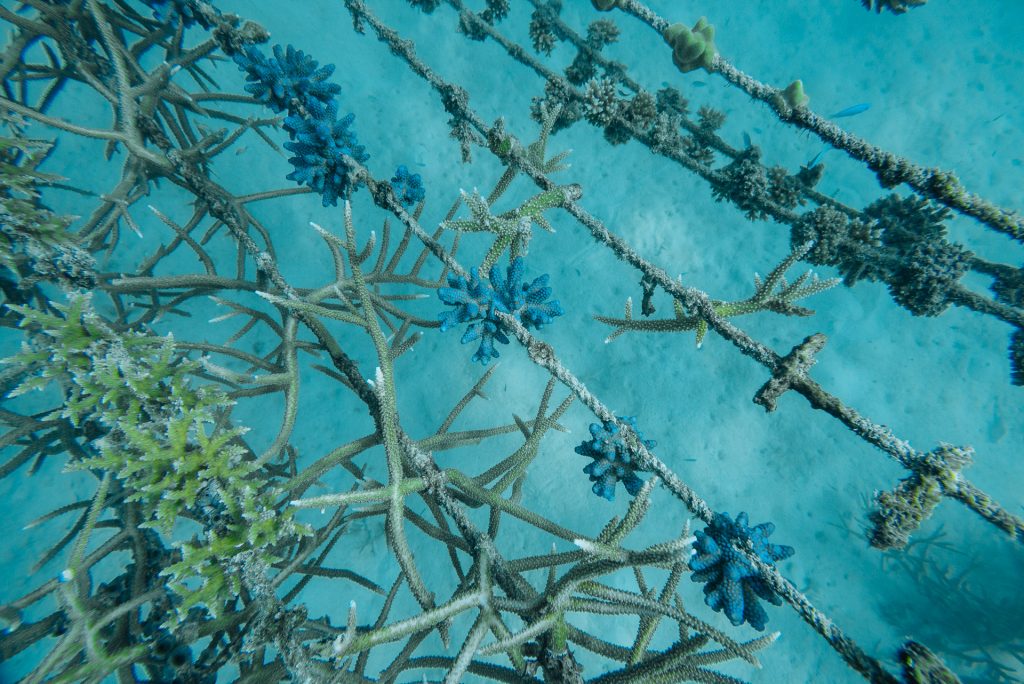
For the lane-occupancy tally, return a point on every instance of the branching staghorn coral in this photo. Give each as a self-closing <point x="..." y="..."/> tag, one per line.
<point x="772" y="294"/>
<point x="181" y="488"/>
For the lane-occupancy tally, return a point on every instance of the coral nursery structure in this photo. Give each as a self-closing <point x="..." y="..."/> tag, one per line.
<point x="242" y="245"/>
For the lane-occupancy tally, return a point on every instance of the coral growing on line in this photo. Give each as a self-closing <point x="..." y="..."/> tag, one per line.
<point x="290" y="75"/>
<point x="408" y="186"/>
<point x="614" y="461"/>
<point x="292" y="81"/>
<point x="731" y="583"/>
<point x="478" y="301"/>
<point x="320" y="144"/>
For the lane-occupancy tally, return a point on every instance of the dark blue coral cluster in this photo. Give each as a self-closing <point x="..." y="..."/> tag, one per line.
<point x="293" y="82"/>
<point x="321" y="142"/>
<point x="614" y="461"/>
<point x="289" y="75"/>
<point x="731" y="583"/>
<point x="477" y="302"/>
<point x="408" y="186"/>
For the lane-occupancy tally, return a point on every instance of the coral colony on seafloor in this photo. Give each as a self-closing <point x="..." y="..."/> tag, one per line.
<point x="216" y="532"/>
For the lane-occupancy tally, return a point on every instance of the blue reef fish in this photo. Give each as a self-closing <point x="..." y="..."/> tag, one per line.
<point x="852" y="110"/>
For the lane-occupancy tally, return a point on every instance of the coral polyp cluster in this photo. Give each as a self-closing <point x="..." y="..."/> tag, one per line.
<point x="478" y="302"/>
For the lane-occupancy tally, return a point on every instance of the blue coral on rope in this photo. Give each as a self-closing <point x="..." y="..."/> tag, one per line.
<point x="323" y="145"/>
<point x="408" y="186"/>
<point x="320" y="144"/>
<point x="614" y="461"/>
<point x="290" y="77"/>
<point x="731" y="583"/>
<point x="477" y="302"/>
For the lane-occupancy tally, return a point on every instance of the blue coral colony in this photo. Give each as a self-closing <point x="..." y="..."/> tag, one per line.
<point x="614" y="461"/>
<point x="478" y="301"/>
<point x="293" y="82"/>
<point x="731" y="582"/>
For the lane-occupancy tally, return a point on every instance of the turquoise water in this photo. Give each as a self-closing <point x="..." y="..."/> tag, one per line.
<point x="945" y="84"/>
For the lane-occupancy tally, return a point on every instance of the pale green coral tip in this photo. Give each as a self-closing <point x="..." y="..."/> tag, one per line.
<point x="692" y="48"/>
<point x="795" y="96"/>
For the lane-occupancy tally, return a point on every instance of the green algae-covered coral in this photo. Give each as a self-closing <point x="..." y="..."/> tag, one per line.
<point x="166" y="440"/>
<point x="692" y="48"/>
